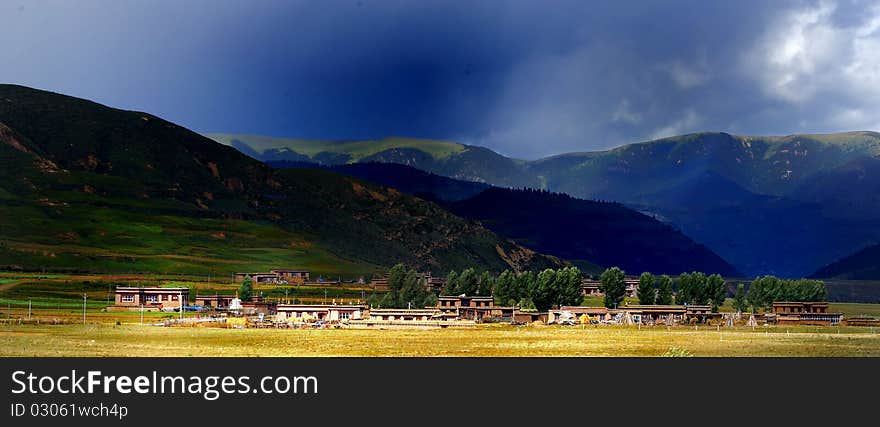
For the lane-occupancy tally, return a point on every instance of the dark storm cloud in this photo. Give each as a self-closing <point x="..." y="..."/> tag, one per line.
<point x="525" y="78"/>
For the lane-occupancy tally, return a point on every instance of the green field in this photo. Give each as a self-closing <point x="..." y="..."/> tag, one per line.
<point x="485" y="340"/>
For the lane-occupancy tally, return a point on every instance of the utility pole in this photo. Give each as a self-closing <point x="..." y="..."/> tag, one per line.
<point x="29" y="308"/>
<point x="85" y="296"/>
<point x="180" y="300"/>
<point x="142" y="314"/>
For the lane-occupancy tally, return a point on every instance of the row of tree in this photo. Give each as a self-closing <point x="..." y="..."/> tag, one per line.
<point x="693" y="288"/>
<point x="406" y="288"/>
<point x="468" y="282"/>
<point x="527" y="290"/>
<point x="764" y="291"/>
<point x="698" y="289"/>
<point x="539" y="291"/>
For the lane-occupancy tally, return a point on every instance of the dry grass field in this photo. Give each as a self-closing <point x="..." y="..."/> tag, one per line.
<point x="485" y="340"/>
<point x="41" y="301"/>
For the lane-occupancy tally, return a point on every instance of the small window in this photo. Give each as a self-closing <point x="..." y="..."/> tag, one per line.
<point x="128" y="298"/>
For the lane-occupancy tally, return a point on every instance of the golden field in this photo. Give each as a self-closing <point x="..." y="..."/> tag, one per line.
<point x="485" y="340"/>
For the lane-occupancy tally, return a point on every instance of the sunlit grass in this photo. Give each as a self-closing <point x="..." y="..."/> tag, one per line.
<point x="486" y="340"/>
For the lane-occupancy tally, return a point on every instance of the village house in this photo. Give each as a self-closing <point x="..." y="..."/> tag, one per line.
<point x="257" y="305"/>
<point x="590" y="287"/>
<point x="407" y="314"/>
<point x="596" y="313"/>
<point x="667" y="314"/>
<point x="476" y="308"/>
<point x="379" y="282"/>
<point x="151" y="298"/>
<point x="434" y="284"/>
<point x="278" y="277"/>
<point x="525" y="317"/>
<point x="217" y="302"/>
<point x="805" y="313"/>
<point x="308" y="313"/>
<point x="292" y="276"/>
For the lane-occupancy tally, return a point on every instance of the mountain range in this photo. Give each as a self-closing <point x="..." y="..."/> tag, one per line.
<point x="591" y="234"/>
<point x="86" y="187"/>
<point x="784" y="205"/>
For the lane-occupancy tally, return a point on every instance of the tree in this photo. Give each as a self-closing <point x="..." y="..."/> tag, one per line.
<point x="717" y="291"/>
<point x="397" y="276"/>
<point x="486" y="284"/>
<point x="612" y="284"/>
<point x="700" y="288"/>
<point x="569" y="286"/>
<point x="505" y="289"/>
<point x="246" y="290"/>
<point x="664" y="290"/>
<point x="388" y="301"/>
<point x="545" y="290"/>
<point x="374" y="300"/>
<point x="525" y="285"/>
<point x="693" y="288"/>
<point x="414" y="290"/>
<point x="526" y="304"/>
<point x="467" y="282"/>
<point x="739" y="299"/>
<point x="451" y="283"/>
<point x="647" y="291"/>
<point x="756" y="296"/>
<point x="430" y="300"/>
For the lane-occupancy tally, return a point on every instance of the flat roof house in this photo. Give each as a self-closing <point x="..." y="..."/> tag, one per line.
<point x="292" y="276"/>
<point x="220" y="302"/>
<point x="600" y="313"/>
<point x="152" y="298"/>
<point x="325" y="312"/>
<point x="476" y="308"/>
<point x="590" y="287"/>
<point x="278" y="276"/>
<point x="805" y="313"/>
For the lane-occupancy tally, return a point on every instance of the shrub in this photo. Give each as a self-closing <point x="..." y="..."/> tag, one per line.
<point x="677" y="352"/>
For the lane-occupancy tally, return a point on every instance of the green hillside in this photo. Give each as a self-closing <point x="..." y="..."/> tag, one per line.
<point x="84" y="187"/>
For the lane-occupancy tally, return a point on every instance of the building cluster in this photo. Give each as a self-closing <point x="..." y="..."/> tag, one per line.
<point x="461" y="310"/>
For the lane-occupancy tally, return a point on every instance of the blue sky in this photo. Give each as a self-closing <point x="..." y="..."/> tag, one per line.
<point x="525" y="78"/>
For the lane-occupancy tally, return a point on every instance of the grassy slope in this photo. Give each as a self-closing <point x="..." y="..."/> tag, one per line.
<point x="90" y="188"/>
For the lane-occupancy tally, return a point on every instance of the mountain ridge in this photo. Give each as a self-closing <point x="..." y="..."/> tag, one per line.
<point x="811" y="181"/>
